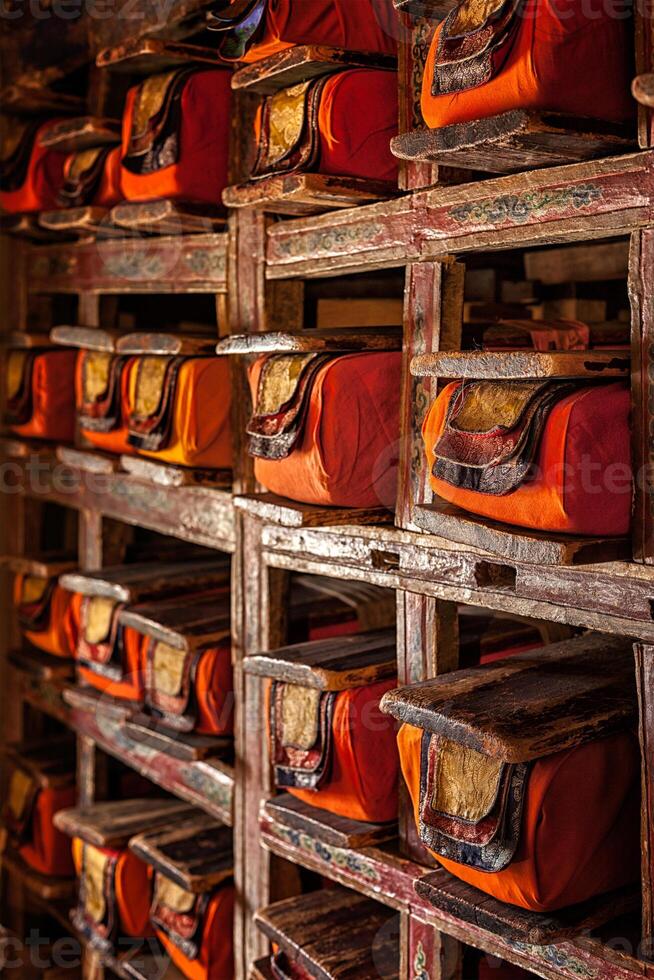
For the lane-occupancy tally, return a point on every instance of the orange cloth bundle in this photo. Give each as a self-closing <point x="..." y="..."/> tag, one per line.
<point x="43" y="610"/>
<point x="175" y="139"/>
<point x="179" y="410"/>
<point x="40" y="393"/>
<point x="487" y="59"/>
<point x="551" y="456"/>
<point x="114" y="894"/>
<point x="261" y="28"/>
<point x="108" y="655"/>
<point x="340" y="124"/>
<point x="325" y="428"/>
<point x="31" y="176"/>
<point x="577" y="836"/>
<point x="92" y="176"/>
<point x="197" y="930"/>
<point x="33" y="798"/>
<point x="335" y="750"/>
<point x="101" y="395"/>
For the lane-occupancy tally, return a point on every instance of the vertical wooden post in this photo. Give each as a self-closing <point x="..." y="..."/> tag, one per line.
<point x="641" y="279"/>
<point x="645" y="683"/>
<point x="412" y="54"/>
<point x="426" y="953"/>
<point x="644" y="30"/>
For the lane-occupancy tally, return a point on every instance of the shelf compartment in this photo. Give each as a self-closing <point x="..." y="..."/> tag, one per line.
<point x="207" y="783"/>
<point x="151" y="55"/>
<point x="196" y="853"/>
<point x="82" y="133"/>
<point x="522" y="365"/>
<point x="305" y="194"/>
<point x="514" y="141"/>
<point x="327" y="828"/>
<point x="301" y="63"/>
<point x="306" y="929"/>
<point x="514" y="543"/>
<point x="309" y="341"/>
<point x="270" y="508"/>
<point x="166" y="217"/>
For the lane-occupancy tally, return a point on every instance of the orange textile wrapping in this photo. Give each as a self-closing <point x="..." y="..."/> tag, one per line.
<point x="215" y="960"/>
<point x="580" y="824"/>
<point x="346" y="455"/>
<point x="55" y="637"/>
<point x="199" y="172"/>
<point x="113" y="439"/>
<point x="130" y="687"/>
<point x="132" y="883"/>
<point x="199" y="431"/>
<point x="583" y="480"/>
<point x="52" y="397"/>
<point x="43" y="179"/>
<point x="561" y="58"/>
<point x="48" y="850"/>
<point x="366" y="25"/>
<point x="363" y="773"/>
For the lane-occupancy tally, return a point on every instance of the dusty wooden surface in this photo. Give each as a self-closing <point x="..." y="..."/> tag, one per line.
<point x="299" y="64"/>
<point x="196" y="853"/>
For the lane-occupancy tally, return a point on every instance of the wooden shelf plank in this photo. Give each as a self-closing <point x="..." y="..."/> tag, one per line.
<point x="24" y="340"/>
<point x="515" y="141"/>
<point x="29" y="228"/>
<point x="535" y="704"/>
<point x="436" y="9"/>
<point x="113" y="824"/>
<point x="151" y="55"/>
<point x="42" y="666"/>
<point x="305" y="194"/>
<point x="84" y="223"/>
<point x="168" y="475"/>
<point x="47" y="566"/>
<point x="37" y="99"/>
<point x="523" y="365"/>
<point x="269" y="507"/>
<point x="147" y="580"/>
<point x="45" y="887"/>
<point x="82" y="133"/>
<point x="166" y="344"/>
<point x="189" y="747"/>
<point x="85" y="338"/>
<point x="301" y="63"/>
<point x="166" y="217"/>
<point x="196" y="853"/>
<point x="336" y="664"/>
<point x="188" y="623"/>
<point x="310" y="341"/>
<point x="515" y="543"/>
<point x="88" y="461"/>
<point x="325" y="827"/>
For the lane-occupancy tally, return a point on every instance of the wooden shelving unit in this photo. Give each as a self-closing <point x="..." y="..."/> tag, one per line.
<point x="261" y="272"/>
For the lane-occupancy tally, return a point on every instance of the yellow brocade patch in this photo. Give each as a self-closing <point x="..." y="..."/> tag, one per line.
<point x="300" y="713"/>
<point x="20" y="789"/>
<point x="167" y="893"/>
<point x="98" y="618"/>
<point x="15" y="371"/>
<point x="488" y="404"/>
<point x="149" y="100"/>
<point x="466" y="782"/>
<point x="95" y="374"/>
<point x="150" y="378"/>
<point x="83" y="161"/>
<point x="287" y="112"/>
<point x="472" y="15"/>
<point x="33" y="589"/>
<point x="95" y="866"/>
<point x="278" y="381"/>
<point x="168" y="666"/>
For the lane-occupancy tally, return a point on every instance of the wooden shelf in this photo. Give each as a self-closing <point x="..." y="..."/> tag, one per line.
<point x="523" y="365"/>
<point x="301" y="63"/>
<point x="327" y="828"/>
<point x="196" y="853"/>
<point x="38" y="99"/>
<point x="85" y="338"/>
<point x="45" y="887"/>
<point x="166" y="217"/>
<point x="151" y="55"/>
<point x="308" y="341"/>
<point x="82" y="223"/>
<point x="41" y="683"/>
<point x="166" y="344"/>
<point x="270" y="508"/>
<point x="167" y="475"/>
<point x="304" y="194"/>
<point x="514" y="141"/>
<point x="438" y="9"/>
<point x="29" y="228"/>
<point x="83" y="133"/>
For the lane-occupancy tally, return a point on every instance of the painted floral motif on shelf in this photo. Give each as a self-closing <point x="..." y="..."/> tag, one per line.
<point x="520" y="208"/>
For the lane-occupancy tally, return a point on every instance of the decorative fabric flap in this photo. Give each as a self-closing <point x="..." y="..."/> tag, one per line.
<point x="283" y="396"/>
<point x="156" y="122"/>
<point x="100" y="644"/>
<point x="492" y="432"/>
<point x="18" y="385"/>
<point x="240" y="21"/>
<point x="16" y="149"/>
<point x="19" y="805"/>
<point x="289" y="138"/>
<point x="96" y="912"/>
<point x="83" y="175"/>
<point x="474" y="43"/>
<point x="33" y="611"/>
<point x="470" y="805"/>
<point x="101" y="396"/>
<point x="179" y="914"/>
<point x="301" y="735"/>
<point x="170" y="684"/>
<point x="154" y="398"/>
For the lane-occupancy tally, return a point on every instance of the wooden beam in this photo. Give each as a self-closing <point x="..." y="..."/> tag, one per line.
<point x="645" y="684"/>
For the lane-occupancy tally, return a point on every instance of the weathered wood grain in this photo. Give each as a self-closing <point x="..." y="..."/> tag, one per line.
<point x="167" y="475"/>
<point x="326" y="827"/>
<point x="113" y="824"/>
<point x="309" y="341"/>
<point x="85" y="338"/>
<point x="151" y="55"/>
<point x="25" y="99"/>
<point x="146" y="580"/>
<point x="147" y="731"/>
<point x="645" y="684"/>
<point x="167" y="217"/>
<point x="512" y="365"/>
<point x="85" y="132"/>
<point x="166" y="344"/>
<point x="196" y="853"/>
<point x="82" y="223"/>
<point x="304" y="194"/>
<point x="641" y="270"/>
<point x="189" y="623"/>
<point x="531" y="705"/>
<point x="47" y="566"/>
<point x="272" y="509"/>
<point x="47" y="888"/>
<point x="300" y="63"/>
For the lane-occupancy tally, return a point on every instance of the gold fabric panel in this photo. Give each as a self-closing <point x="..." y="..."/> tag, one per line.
<point x="98" y="618"/>
<point x="20" y="790"/>
<point x="286" y="120"/>
<point x="150" y="379"/>
<point x="83" y="161"/>
<point x="278" y="381"/>
<point x="33" y="589"/>
<point x="97" y="368"/>
<point x="489" y="404"/>
<point x="466" y="782"/>
<point x="300" y="716"/>
<point x="15" y="370"/>
<point x="167" y="893"/>
<point x="95" y="865"/>
<point x="168" y="664"/>
<point x="149" y="100"/>
<point x="472" y="15"/>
